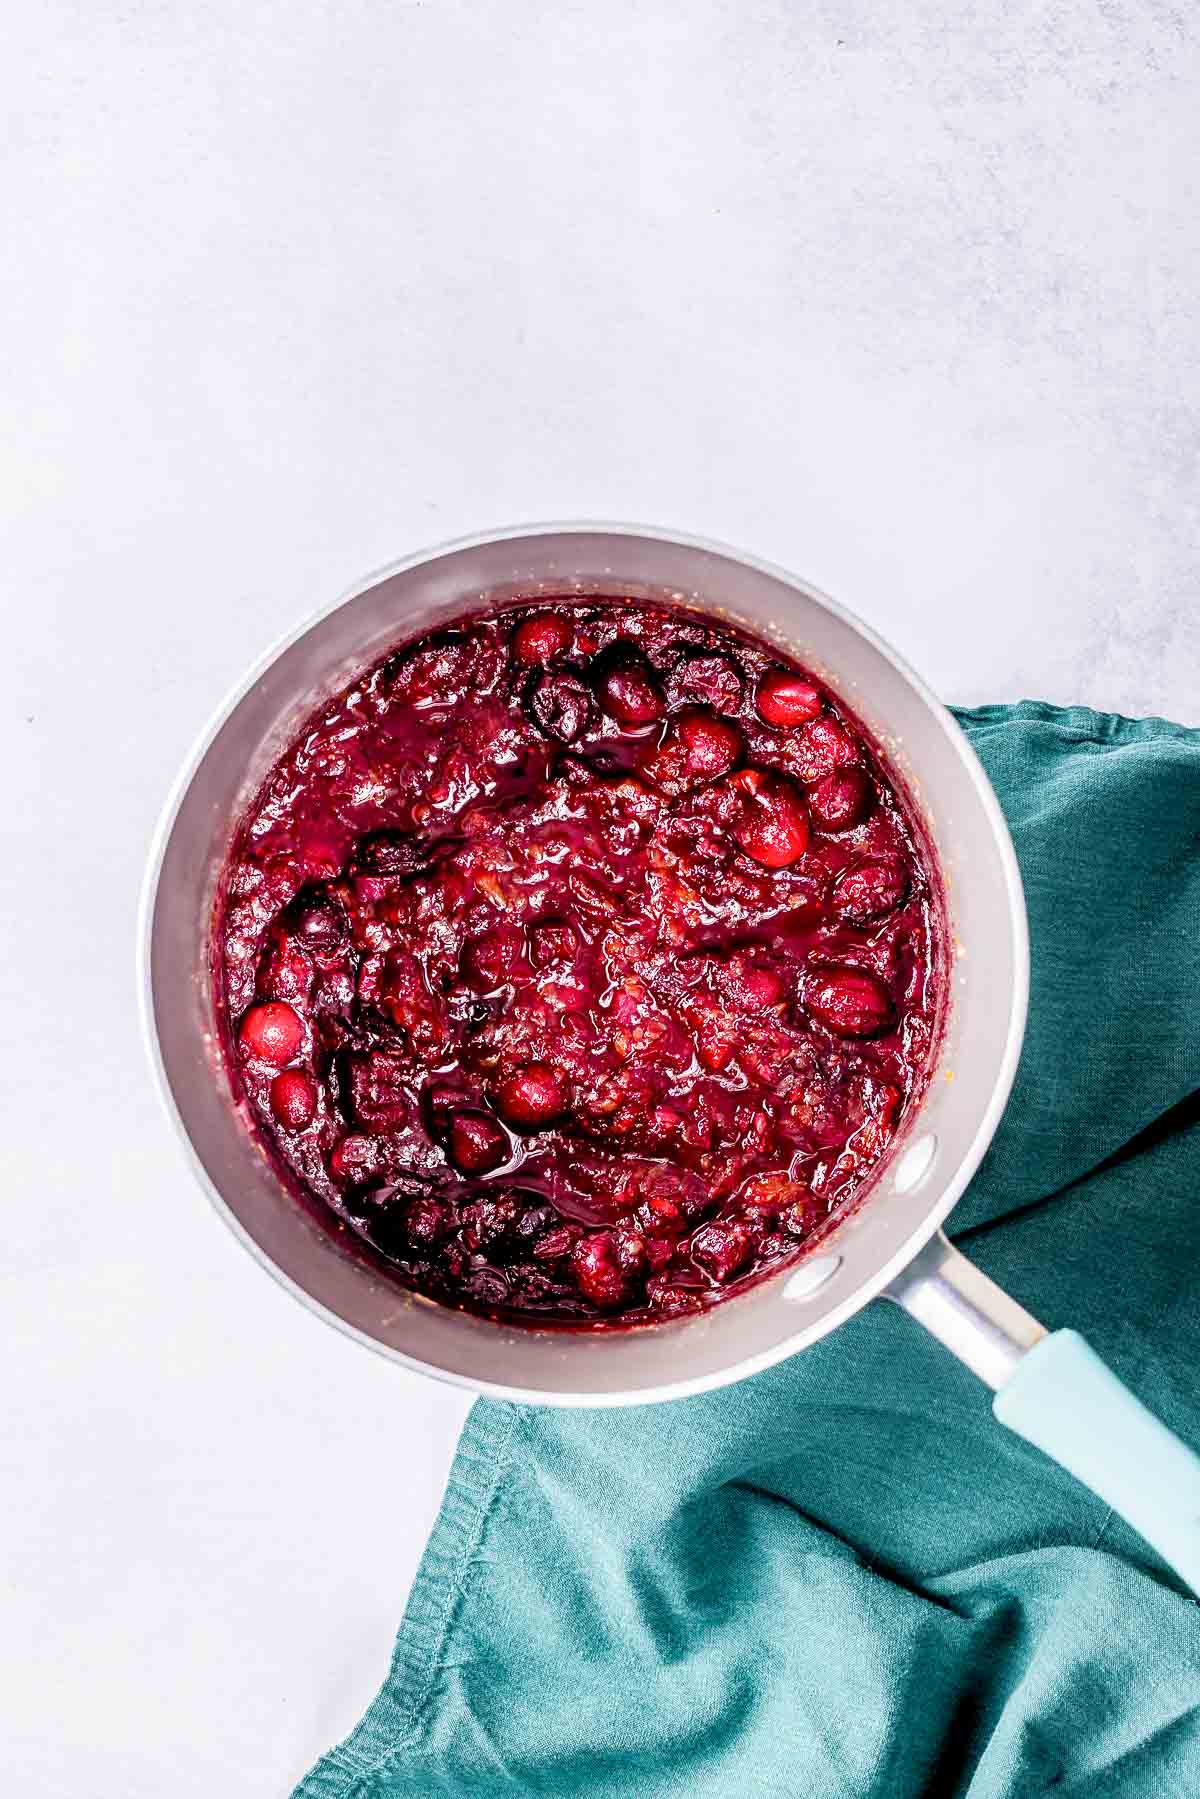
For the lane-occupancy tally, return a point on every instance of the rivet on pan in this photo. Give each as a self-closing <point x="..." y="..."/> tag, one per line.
<point x="810" y="1277"/>
<point x="914" y="1164"/>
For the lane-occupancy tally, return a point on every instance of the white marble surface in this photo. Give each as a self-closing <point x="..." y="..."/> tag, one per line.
<point x="901" y="295"/>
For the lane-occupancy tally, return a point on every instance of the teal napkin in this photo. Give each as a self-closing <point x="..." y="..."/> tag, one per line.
<point x="843" y="1579"/>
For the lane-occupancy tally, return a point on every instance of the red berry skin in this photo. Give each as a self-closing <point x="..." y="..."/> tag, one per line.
<point x="532" y="1097"/>
<point x="823" y="746"/>
<point x="541" y="638"/>
<point x="711" y="745"/>
<point x="786" y="700"/>
<point x="869" y="890"/>
<point x="475" y="1143"/>
<point x="271" y="1032"/>
<point x="627" y="687"/>
<point x="850" y="1003"/>
<point x="596" y="1267"/>
<point x="840" y="800"/>
<point x="293" y="1099"/>
<point x="773" y="825"/>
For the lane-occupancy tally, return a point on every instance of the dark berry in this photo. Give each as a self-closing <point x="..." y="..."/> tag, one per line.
<point x="441" y="671"/>
<point x="475" y="1143"/>
<point x="627" y="687"/>
<point x="707" y="678"/>
<point x="317" y="919"/>
<point x="559" y="705"/>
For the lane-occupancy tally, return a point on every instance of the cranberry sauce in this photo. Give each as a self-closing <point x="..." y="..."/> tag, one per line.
<point x="582" y="958"/>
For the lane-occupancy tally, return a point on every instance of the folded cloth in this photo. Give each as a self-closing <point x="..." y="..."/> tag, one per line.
<point x="843" y="1579"/>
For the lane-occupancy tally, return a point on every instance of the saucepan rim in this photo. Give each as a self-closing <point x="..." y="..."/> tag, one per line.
<point x="940" y="1206"/>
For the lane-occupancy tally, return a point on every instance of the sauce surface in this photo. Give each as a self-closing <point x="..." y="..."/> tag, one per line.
<point x="584" y="959"/>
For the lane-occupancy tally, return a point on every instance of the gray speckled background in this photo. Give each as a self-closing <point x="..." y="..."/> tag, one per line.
<point x="903" y="296"/>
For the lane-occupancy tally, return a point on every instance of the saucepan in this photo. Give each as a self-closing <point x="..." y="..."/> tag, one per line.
<point x="1049" y="1386"/>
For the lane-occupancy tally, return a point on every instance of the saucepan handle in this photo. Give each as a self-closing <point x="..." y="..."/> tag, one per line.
<point x="1053" y="1390"/>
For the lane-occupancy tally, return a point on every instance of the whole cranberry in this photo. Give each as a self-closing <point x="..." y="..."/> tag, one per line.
<point x="627" y="686"/>
<point x="559" y="704"/>
<point x="850" y="1002"/>
<point x="772" y="826"/>
<point x="842" y="799"/>
<point x="869" y="890"/>
<point x="785" y="699"/>
<point x="475" y="1143"/>
<point x="721" y="1248"/>
<point x="293" y="1099"/>
<point x="711" y="745"/>
<point x="823" y="746"/>
<point x="596" y="1267"/>
<point x="271" y="1032"/>
<point x="317" y="919"/>
<point x="540" y="638"/>
<point x="532" y="1097"/>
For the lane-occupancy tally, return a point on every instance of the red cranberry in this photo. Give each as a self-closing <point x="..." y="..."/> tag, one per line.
<point x="773" y="824"/>
<point x="532" y="1097"/>
<point x="707" y="678"/>
<point x="271" y="1033"/>
<point x="785" y="699"/>
<point x="539" y="639"/>
<point x="721" y="1248"/>
<point x="841" y="799"/>
<point x="711" y="745"/>
<point x="559" y="705"/>
<point x="475" y="1143"/>
<point x="293" y="1099"/>
<point x="869" y="890"/>
<point x="317" y="920"/>
<point x="596" y="1266"/>
<point x="850" y="1002"/>
<point x="627" y="688"/>
<point x="823" y="746"/>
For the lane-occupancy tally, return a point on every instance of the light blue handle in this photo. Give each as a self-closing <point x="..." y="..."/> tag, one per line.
<point x="1063" y="1398"/>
